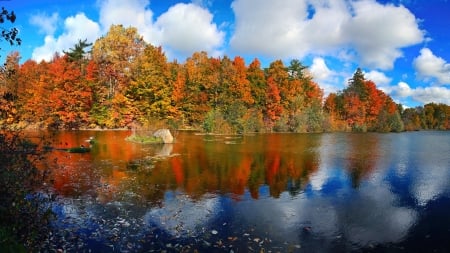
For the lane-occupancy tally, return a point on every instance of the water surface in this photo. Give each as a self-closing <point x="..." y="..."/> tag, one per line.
<point x="336" y="192"/>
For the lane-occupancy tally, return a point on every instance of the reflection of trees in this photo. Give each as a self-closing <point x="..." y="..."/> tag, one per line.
<point x="290" y="160"/>
<point x="283" y="162"/>
<point x="280" y="161"/>
<point x="362" y="156"/>
<point x="73" y="174"/>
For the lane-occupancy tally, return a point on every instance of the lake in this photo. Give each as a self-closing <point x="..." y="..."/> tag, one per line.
<point x="331" y="192"/>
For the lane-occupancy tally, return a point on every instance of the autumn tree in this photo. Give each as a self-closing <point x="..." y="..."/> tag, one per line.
<point x="257" y="82"/>
<point x="123" y="81"/>
<point x="9" y="89"/>
<point x="198" y="88"/>
<point x="151" y="88"/>
<point x="274" y="107"/>
<point x="37" y="108"/>
<point x="115" y="55"/>
<point x="28" y="78"/>
<point x="305" y="100"/>
<point x="71" y="98"/>
<point x="9" y="74"/>
<point x="178" y="78"/>
<point x="254" y="118"/>
<point x="363" y="107"/>
<point x="435" y="116"/>
<point x="23" y="217"/>
<point x="411" y="119"/>
<point x="280" y="77"/>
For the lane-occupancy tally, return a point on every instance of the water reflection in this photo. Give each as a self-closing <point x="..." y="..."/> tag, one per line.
<point x="279" y="192"/>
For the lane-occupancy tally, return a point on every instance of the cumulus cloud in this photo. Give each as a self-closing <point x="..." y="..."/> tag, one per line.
<point x="432" y="94"/>
<point x="45" y="23"/>
<point x="134" y="13"/>
<point x="429" y="66"/>
<point x="403" y="90"/>
<point x="269" y="27"/>
<point x="75" y="28"/>
<point x="373" y="32"/>
<point x="380" y="79"/>
<point x="379" y="31"/>
<point x="423" y="95"/>
<point x="323" y="75"/>
<point x="320" y="70"/>
<point x="187" y="28"/>
<point x="182" y="30"/>
<point x="377" y="77"/>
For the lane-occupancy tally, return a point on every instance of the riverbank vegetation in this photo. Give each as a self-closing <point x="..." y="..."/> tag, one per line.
<point x="123" y="82"/>
<point x="24" y="210"/>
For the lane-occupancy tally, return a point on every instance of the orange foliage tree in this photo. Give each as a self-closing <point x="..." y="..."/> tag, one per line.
<point x="363" y="107"/>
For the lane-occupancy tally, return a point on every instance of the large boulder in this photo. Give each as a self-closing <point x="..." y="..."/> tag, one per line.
<point x="164" y="134"/>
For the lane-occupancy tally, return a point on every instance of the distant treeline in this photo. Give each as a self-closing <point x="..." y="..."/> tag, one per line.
<point x="124" y="82"/>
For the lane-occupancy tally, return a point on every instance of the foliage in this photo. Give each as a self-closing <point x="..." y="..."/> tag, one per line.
<point x="149" y="90"/>
<point x="215" y="123"/>
<point x="124" y="82"/>
<point x="430" y="116"/>
<point x="9" y="35"/>
<point x="24" y="215"/>
<point x="78" y="52"/>
<point x="362" y="107"/>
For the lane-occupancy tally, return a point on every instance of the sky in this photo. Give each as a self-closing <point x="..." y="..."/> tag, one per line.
<point x="401" y="45"/>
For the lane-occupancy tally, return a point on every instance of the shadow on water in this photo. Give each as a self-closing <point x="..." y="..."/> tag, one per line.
<point x="335" y="192"/>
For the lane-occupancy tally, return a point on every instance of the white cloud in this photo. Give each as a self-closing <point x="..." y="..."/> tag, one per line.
<point x="432" y="94"/>
<point x="429" y="66"/>
<point x="269" y="27"/>
<point x="373" y="32"/>
<point x="134" y="13"/>
<point x="324" y="31"/>
<point x="423" y="95"/>
<point x="320" y="70"/>
<point x="379" y="78"/>
<point x="75" y="28"/>
<point x="182" y="30"/>
<point x="379" y="31"/>
<point x="45" y="23"/>
<point x="187" y="28"/>
<point x="403" y="90"/>
<point x="325" y="77"/>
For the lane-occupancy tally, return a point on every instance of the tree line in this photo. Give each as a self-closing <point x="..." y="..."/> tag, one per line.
<point x="120" y="81"/>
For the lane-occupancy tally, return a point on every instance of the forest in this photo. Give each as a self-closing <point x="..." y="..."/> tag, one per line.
<point x="120" y="81"/>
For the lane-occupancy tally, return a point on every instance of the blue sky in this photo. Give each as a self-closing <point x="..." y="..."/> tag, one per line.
<point x="401" y="45"/>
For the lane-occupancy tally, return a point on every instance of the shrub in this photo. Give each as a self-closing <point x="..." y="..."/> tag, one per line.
<point x="24" y="215"/>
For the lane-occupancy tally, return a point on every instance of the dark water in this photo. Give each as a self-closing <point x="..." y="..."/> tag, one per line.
<point x="272" y="193"/>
